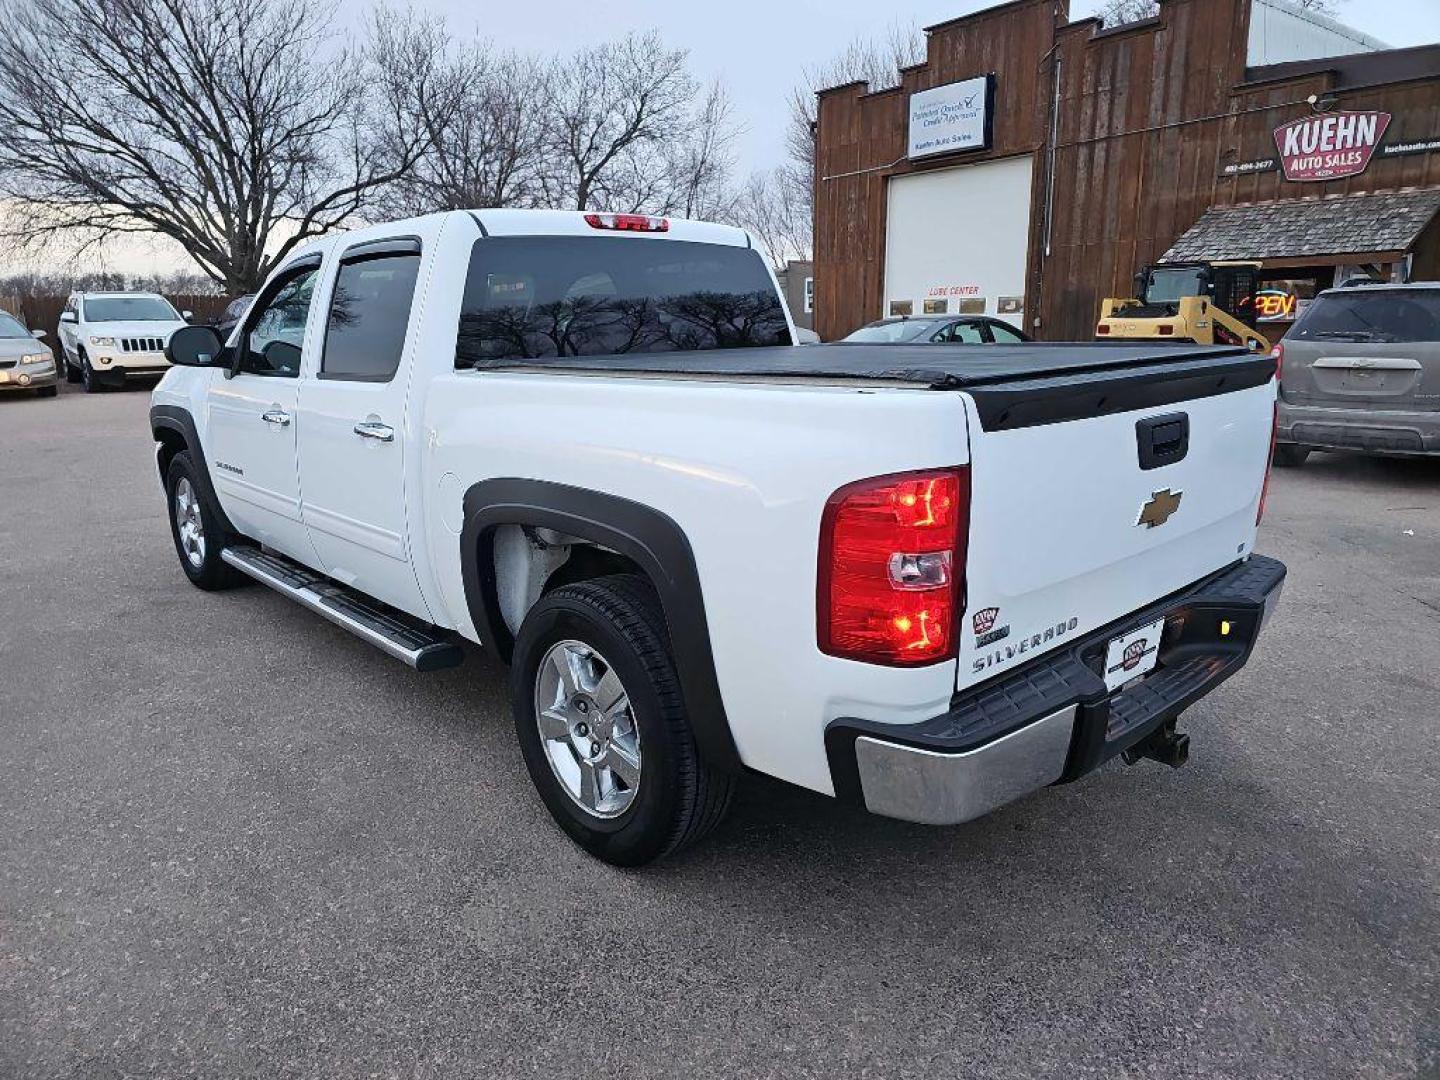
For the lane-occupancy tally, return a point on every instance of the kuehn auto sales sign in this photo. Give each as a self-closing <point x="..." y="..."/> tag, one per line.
<point x="1330" y="146"/>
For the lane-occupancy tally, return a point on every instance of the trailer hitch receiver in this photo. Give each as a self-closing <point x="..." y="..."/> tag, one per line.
<point x="1164" y="745"/>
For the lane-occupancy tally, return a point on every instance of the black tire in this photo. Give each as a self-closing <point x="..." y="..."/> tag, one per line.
<point x="1290" y="456"/>
<point x="72" y="373"/>
<point x="209" y="572"/>
<point x="46" y="391"/>
<point x="679" y="798"/>
<point x="88" y="377"/>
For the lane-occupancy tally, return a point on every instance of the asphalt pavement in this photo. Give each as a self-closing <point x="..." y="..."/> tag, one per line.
<point x="235" y="841"/>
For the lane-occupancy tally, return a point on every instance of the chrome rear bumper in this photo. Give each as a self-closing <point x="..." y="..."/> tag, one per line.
<point x="1052" y="720"/>
<point x="945" y="789"/>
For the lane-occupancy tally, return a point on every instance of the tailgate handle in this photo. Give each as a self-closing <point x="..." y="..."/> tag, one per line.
<point x="1163" y="440"/>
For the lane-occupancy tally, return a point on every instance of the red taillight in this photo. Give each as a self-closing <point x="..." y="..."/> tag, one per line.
<point x="1269" y="462"/>
<point x="1102" y="329"/>
<point x="892" y="564"/>
<point x="628" y="222"/>
<point x="1278" y="353"/>
<point x="1166" y="330"/>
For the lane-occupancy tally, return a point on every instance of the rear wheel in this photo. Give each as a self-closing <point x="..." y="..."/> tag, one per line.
<point x="602" y="724"/>
<point x="195" y="526"/>
<point x="72" y="373"/>
<point x="1290" y="455"/>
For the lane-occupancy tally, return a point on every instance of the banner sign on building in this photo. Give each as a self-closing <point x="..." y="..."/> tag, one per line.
<point x="956" y="116"/>
<point x="1329" y="146"/>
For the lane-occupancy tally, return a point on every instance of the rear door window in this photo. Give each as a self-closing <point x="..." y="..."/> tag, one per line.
<point x="1372" y="315"/>
<point x="1001" y="334"/>
<point x="539" y="298"/>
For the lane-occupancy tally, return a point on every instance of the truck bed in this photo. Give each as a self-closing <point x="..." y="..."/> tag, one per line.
<point x="1013" y="385"/>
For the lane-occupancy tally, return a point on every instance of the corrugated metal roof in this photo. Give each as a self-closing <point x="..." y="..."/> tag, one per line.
<point x="1293" y="228"/>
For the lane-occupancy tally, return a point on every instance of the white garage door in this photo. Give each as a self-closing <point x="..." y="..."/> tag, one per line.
<point x="956" y="241"/>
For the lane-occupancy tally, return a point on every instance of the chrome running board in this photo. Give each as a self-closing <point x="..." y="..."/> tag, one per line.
<point x="423" y="647"/>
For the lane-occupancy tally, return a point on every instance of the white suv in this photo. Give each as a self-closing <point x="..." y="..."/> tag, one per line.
<point x="109" y="337"/>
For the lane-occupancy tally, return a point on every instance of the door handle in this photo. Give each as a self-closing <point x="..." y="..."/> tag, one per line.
<point x="278" y="417"/>
<point x="373" y="429"/>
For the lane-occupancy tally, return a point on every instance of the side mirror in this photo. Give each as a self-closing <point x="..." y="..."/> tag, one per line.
<point x="194" y="346"/>
<point x="68" y="316"/>
<point x="37" y="333"/>
<point x="187" y="315"/>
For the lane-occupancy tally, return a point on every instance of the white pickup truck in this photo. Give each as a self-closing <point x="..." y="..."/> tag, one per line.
<point x="925" y="580"/>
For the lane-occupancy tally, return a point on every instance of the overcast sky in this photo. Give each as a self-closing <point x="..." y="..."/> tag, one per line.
<point x="758" y="46"/>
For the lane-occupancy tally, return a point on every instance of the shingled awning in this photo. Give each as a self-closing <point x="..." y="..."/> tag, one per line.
<point x="1349" y="225"/>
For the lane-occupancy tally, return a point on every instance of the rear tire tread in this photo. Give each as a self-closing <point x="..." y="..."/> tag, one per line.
<point x="630" y="605"/>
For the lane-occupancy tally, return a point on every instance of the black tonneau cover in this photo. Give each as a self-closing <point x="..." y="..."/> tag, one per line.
<point x="1013" y="385"/>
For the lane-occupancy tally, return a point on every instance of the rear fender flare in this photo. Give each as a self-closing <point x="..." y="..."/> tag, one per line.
<point x="646" y="536"/>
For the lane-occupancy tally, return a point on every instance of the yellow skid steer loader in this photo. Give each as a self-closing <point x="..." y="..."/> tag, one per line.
<point x="1207" y="303"/>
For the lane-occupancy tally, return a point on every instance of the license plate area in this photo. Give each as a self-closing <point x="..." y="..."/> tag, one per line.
<point x="1133" y="654"/>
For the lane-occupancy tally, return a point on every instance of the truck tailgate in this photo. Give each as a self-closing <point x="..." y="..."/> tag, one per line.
<point x="1078" y="520"/>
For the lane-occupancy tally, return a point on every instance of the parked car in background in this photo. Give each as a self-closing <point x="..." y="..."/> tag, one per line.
<point x="1360" y="370"/>
<point x="107" y="338"/>
<point x="25" y="363"/>
<point x="939" y="330"/>
<point x="234" y="312"/>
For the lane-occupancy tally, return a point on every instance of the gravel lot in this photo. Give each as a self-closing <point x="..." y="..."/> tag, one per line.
<point x="235" y="841"/>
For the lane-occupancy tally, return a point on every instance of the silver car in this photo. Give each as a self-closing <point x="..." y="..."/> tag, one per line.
<point x="25" y="363"/>
<point x="1360" y="370"/>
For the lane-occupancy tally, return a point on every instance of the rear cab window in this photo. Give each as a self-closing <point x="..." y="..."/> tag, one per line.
<point x="547" y="297"/>
<point x="1385" y="315"/>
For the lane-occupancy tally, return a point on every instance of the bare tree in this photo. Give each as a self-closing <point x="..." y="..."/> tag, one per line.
<point x="877" y="62"/>
<point x="1120" y="12"/>
<point x="701" y="162"/>
<point x="614" y="106"/>
<point x="238" y="128"/>
<point x="481" y="113"/>
<point x="776" y="211"/>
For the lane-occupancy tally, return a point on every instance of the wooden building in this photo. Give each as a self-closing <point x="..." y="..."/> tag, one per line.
<point x="1031" y="165"/>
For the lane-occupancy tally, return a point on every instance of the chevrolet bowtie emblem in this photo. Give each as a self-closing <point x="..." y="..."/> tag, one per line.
<point x="1158" y="510"/>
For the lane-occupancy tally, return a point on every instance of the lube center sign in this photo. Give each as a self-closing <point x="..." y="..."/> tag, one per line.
<point x="956" y="116"/>
<point x="1330" y="146"/>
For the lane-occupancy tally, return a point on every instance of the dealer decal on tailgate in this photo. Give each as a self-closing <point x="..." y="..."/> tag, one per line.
<point x="1033" y="643"/>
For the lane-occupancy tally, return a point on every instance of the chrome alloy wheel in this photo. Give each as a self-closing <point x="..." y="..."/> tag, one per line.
<point x="189" y="524"/>
<point x="587" y="728"/>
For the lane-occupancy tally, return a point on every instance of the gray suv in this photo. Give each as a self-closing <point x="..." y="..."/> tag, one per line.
<point x="1360" y="370"/>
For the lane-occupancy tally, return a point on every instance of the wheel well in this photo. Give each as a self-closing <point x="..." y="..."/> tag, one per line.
<point x="602" y="533"/>
<point x="529" y="562"/>
<point x="588" y="561"/>
<point x="171" y="443"/>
